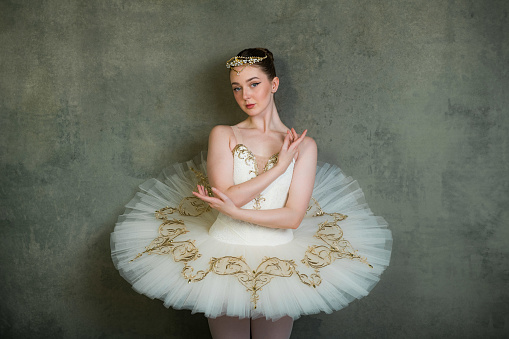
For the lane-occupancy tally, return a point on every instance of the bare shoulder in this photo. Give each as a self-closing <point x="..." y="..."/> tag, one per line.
<point x="221" y="135"/>
<point x="307" y="152"/>
<point x="221" y="130"/>
<point x="308" y="145"/>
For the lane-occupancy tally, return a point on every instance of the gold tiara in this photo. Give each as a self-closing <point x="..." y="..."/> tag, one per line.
<point x="242" y="61"/>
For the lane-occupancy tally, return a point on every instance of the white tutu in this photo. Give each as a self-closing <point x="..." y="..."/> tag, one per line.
<point x="162" y="246"/>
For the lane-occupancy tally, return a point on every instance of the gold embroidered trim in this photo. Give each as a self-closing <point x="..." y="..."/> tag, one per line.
<point x="271" y="162"/>
<point x="315" y="210"/>
<point x="316" y="257"/>
<point x="253" y="280"/>
<point x="257" y="202"/>
<point x="336" y="246"/>
<point x="203" y="180"/>
<point x="189" y="207"/>
<point x="164" y="244"/>
<point x="245" y="153"/>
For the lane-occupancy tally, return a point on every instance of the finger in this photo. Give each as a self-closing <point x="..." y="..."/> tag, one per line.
<point x="302" y="136"/>
<point x="292" y="134"/>
<point x="199" y="195"/>
<point x="298" y="141"/>
<point x="286" y="142"/>
<point x="295" y="135"/>
<point x="220" y="194"/>
<point x="205" y="197"/>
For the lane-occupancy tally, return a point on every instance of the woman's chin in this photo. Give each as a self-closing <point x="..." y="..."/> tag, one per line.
<point x="250" y="112"/>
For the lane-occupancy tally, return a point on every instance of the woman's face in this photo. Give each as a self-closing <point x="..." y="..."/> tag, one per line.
<point x="252" y="89"/>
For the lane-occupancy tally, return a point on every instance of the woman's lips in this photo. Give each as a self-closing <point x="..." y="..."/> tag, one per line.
<point x="249" y="106"/>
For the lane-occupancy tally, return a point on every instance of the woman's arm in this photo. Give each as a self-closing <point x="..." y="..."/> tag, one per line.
<point x="220" y="166"/>
<point x="289" y="216"/>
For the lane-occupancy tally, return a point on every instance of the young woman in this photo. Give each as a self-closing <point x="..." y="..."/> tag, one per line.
<point x="262" y="241"/>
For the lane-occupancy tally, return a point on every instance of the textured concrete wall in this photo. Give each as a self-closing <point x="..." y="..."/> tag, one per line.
<point x="409" y="97"/>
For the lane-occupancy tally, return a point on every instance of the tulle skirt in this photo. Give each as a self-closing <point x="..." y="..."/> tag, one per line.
<point x="161" y="245"/>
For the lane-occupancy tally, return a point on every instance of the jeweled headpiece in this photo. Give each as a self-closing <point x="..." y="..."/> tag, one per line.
<point x="242" y="61"/>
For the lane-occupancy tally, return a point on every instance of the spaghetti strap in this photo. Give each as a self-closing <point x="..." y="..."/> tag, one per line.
<point x="236" y="133"/>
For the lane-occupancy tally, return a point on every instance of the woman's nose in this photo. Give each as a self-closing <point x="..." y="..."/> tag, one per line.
<point x="246" y="94"/>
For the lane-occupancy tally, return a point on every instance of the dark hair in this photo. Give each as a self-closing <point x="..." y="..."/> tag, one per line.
<point x="267" y="64"/>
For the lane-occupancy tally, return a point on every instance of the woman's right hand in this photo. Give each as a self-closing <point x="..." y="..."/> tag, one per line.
<point x="290" y="148"/>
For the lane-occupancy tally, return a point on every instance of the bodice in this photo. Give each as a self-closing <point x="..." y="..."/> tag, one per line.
<point x="246" y="166"/>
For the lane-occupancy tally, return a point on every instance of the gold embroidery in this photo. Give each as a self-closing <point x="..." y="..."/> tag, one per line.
<point x="203" y="180"/>
<point x="336" y="246"/>
<point x="189" y="207"/>
<point x="271" y="162"/>
<point x="331" y="234"/>
<point x="257" y="204"/>
<point x="315" y="210"/>
<point x="253" y="280"/>
<point x="164" y="244"/>
<point x="245" y="154"/>
<point x="316" y="257"/>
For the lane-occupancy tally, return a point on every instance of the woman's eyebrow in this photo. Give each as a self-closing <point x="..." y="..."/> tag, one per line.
<point x="248" y="80"/>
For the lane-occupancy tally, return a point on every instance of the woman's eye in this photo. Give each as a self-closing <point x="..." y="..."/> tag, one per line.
<point x="255" y="84"/>
<point x="236" y="89"/>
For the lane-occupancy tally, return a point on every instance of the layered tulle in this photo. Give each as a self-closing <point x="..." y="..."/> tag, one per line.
<point x="170" y="255"/>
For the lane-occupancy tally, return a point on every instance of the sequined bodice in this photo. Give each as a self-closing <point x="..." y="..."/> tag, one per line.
<point x="246" y="167"/>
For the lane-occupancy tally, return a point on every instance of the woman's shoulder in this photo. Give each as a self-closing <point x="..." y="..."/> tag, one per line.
<point x="308" y="144"/>
<point x="308" y="150"/>
<point x="221" y="135"/>
<point x="222" y="129"/>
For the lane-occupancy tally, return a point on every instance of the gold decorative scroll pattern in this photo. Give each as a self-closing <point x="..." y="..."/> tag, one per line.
<point x="185" y="251"/>
<point x="203" y="180"/>
<point x="243" y="153"/>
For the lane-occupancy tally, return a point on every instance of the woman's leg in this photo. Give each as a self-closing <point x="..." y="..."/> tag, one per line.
<point x="262" y="328"/>
<point x="229" y="328"/>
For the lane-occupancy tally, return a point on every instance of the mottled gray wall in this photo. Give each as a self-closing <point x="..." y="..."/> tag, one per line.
<point x="409" y="97"/>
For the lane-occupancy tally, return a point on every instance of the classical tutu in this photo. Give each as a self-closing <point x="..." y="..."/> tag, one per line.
<point x="164" y="246"/>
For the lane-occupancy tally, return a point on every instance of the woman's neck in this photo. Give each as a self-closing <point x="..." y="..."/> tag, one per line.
<point x="267" y="121"/>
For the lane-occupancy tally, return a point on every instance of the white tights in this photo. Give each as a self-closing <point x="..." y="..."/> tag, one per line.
<point x="234" y="328"/>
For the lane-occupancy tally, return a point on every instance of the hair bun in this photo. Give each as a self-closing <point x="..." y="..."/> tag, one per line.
<point x="267" y="64"/>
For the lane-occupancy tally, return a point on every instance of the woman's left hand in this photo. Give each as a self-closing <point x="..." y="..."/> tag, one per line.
<point x="219" y="202"/>
<point x="290" y="149"/>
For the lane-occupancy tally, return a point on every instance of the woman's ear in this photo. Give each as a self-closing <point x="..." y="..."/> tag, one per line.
<point x="275" y="84"/>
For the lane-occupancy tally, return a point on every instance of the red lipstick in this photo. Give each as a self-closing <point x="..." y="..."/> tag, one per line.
<point x="249" y="106"/>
